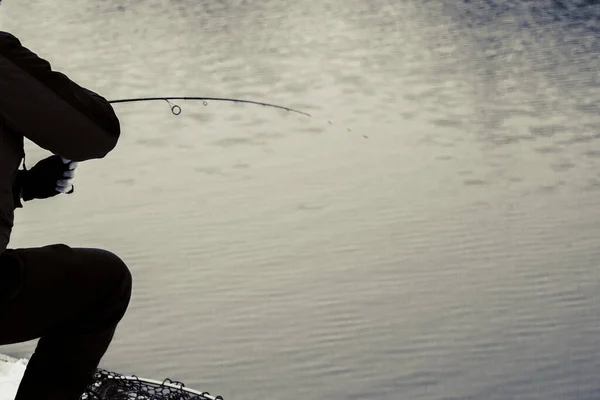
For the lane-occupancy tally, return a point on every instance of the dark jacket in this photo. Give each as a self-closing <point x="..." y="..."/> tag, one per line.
<point x="49" y="109"/>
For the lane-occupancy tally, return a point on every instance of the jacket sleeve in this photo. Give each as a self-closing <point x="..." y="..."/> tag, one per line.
<point x="49" y="109"/>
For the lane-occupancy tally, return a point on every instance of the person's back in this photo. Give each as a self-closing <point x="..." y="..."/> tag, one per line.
<point x="70" y="298"/>
<point x="11" y="154"/>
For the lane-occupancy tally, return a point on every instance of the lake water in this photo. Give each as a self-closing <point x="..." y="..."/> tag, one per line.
<point x="431" y="233"/>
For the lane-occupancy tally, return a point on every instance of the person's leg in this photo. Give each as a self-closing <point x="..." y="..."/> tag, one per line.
<point x="72" y="299"/>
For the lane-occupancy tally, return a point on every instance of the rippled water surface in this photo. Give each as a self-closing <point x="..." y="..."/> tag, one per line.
<point x="432" y="233"/>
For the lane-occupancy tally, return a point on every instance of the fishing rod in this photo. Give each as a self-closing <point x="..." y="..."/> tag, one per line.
<point x="176" y="110"/>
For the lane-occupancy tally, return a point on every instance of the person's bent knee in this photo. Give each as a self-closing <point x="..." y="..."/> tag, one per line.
<point x="124" y="279"/>
<point x="119" y="284"/>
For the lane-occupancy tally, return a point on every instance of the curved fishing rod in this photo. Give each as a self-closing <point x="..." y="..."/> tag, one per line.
<point x="176" y="110"/>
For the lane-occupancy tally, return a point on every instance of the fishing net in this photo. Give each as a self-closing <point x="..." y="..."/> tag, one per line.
<point x="112" y="386"/>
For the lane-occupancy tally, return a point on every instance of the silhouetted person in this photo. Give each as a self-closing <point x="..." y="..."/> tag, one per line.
<point x="70" y="298"/>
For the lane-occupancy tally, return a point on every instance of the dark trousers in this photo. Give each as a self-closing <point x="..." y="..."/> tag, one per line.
<point x="70" y="298"/>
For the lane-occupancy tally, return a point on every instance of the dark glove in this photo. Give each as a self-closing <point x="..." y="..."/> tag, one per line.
<point x="49" y="177"/>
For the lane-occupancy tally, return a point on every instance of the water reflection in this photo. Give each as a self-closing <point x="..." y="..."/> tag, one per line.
<point x="451" y="255"/>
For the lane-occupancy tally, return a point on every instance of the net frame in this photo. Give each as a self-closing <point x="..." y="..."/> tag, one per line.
<point x="110" y="385"/>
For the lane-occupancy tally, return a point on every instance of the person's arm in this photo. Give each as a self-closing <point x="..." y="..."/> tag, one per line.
<point x="49" y="109"/>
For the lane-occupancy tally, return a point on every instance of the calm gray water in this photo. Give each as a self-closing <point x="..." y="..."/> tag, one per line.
<point x="437" y="240"/>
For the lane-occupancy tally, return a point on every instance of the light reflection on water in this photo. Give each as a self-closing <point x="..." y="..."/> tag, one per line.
<point x="437" y="240"/>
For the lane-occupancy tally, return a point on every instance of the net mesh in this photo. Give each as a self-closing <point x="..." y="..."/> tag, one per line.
<point x="113" y="386"/>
